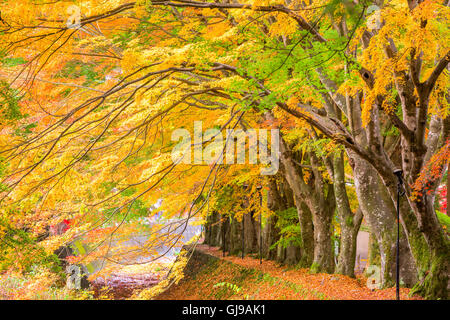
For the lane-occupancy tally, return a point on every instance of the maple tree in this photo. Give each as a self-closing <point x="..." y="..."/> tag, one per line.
<point x="89" y="103"/>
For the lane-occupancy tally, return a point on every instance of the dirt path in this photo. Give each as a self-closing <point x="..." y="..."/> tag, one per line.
<point x="271" y="281"/>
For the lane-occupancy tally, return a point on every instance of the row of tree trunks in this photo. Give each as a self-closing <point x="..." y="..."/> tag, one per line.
<point x="226" y="232"/>
<point x="315" y="203"/>
<point x="219" y="227"/>
<point x="212" y="230"/>
<point x="317" y="249"/>
<point x="280" y="198"/>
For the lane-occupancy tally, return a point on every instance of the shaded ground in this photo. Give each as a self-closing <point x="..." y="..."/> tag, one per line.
<point x="211" y="276"/>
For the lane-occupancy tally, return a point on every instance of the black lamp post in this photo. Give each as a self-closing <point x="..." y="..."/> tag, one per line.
<point x="400" y="192"/>
<point x="223" y="236"/>
<point x="244" y="186"/>
<point x="260" y="224"/>
<point x="242" y="237"/>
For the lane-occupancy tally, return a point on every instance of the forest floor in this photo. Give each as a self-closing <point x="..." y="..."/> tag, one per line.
<point x="209" y="275"/>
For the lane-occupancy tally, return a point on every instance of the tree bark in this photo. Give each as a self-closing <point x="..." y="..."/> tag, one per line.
<point x="271" y="232"/>
<point x="323" y="250"/>
<point x="378" y="214"/>
<point x="349" y="222"/>
<point x="250" y="233"/>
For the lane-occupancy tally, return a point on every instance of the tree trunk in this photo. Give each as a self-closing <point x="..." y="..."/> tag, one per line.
<point x="307" y="234"/>
<point x="428" y="243"/>
<point x="271" y="232"/>
<point x="281" y="254"/>
<point x="212" y="230"/>
<point x="271" y="236"/>
<point x="235" y="237"/>
<point x="250" y="233"/>
<point x="347" y="253"/>
<point x="433" y="259"/>
<point x="349" y="222"/>
<point x="224" y="234"/>
<point x="378" y="214"/>
<point x="448" y="190"/>
<point x="323" y="250"/>
<point x="295" y="181"/>
<point x="292" y="256"/>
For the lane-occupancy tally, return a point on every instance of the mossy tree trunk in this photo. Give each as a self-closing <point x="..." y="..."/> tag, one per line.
<point x="349" y="222"/>
<point x="323" y="249"/>
<point x="379" y="214"/>
<point x="271" y="232"/>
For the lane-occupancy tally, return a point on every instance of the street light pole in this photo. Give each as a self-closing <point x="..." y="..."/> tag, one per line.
<point x="244" y="186"/>
<point x="260" y="224"/>
<point x="400" y="192"/>
<point x="242" y="236"/>
<point x="223" y="237"/>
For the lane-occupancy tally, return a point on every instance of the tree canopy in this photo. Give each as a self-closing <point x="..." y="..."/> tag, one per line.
<point x="92" y="91"/>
